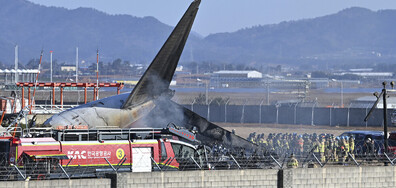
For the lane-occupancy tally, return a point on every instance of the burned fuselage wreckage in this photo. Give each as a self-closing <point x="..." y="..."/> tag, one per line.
<point x="149" y="104"/>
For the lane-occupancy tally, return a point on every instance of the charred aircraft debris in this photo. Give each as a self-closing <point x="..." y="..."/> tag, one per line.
<point x="149" y="104"/>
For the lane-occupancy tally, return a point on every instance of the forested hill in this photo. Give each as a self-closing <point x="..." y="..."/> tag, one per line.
<point x="34" y="27"/>
<point x="354" y="33"/>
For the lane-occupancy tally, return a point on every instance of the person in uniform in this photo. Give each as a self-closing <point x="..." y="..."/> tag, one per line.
<point x="335" y="149"/>
<point x="307" y="145"/>
<point x="300" y="144"/>
<point x="322" y="150"/>
<point x="346" y="149"/>
<point x="293" y="162"/>
<point x="352" y="146"/>
<point x="329" y="146"/>
<point x="285" y="144"/>
<point x="262" y="142"/>
<point x="270" y="144"/>
<point x="315" y="146"/>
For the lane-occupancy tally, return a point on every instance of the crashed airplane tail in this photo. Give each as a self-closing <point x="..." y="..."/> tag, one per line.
<point x="159" y="74"/>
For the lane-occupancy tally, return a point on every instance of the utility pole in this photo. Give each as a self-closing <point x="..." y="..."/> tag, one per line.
<point x="97" y="74"/>
<point x="206" y="93"/>
<point x="384" y="96"/>
<point x="76" y="64"/>
<point x="51" y="65"/>
<point x="16" y="64"/>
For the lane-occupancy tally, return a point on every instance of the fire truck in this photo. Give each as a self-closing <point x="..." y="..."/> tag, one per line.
<point x="41" y="151"/>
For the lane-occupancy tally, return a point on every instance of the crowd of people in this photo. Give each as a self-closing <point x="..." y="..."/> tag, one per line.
<point x="326" y="147"/>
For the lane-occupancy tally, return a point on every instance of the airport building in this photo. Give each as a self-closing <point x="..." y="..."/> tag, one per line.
<point x="255" y="79"/>
<point x="366" y="73"/>
<point x="368" y="101"/>
<point x="22" y="75"/>
<point x="68" y="68"/>
<point x="243" y="79"/>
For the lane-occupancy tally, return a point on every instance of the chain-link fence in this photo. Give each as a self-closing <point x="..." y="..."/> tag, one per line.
<point x="290" y="113"/>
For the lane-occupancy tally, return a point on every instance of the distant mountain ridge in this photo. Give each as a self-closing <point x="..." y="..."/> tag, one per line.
<point x="34" y="27"/>
<point x="351" y="34"/>
<point x="354" y="33"/>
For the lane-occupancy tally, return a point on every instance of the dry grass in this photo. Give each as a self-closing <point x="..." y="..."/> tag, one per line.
<point x="323" y="99"/>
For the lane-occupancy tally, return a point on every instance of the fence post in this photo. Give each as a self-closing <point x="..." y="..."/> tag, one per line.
<point x="261" y="103"/>
<point x="208" y="116"/>
<point x="63" y="170"/>
<point x="280" y="166"/>
<point x="330" y="113"/>
<point x="357" y="164"/>
<point x="20" y="173"/>
<point x="277" y="105"/>
<point x="348" y="115"/>
<point x="192" y="158"/>
<point x="153" y="161"/>
<point x="225" y="111"/>
<point x="112" y="167"/>
<point x="243" y="112"/>
<point x="236" y="162"/>
<point x="192" y="105"/>
<point x="312" y="116"/>
<point x="295" y="113"/>
<point x="317" y="160"/>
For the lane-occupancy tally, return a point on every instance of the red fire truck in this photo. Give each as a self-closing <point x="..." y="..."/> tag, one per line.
<point x="137" y="150"/>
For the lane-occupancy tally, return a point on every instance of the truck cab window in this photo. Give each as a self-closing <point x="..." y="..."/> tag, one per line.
<point x="176" y="149"/>
<point x="164" y="156"/>
<point x="184" y="153"/>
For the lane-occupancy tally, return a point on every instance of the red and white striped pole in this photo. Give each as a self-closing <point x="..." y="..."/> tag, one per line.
<point x="97" y="75"/>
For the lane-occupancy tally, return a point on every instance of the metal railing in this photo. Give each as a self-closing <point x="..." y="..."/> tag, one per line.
<point x="50" y="109"/>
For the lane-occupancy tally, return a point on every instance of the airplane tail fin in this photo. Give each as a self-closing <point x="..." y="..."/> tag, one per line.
<point x="156" y="80"/>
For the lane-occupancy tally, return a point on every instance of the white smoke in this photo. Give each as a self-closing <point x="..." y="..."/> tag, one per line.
<point x="165" y="111"/>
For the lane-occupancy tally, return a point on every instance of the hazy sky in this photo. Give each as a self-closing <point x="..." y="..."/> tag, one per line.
<point x="223" y="15"/>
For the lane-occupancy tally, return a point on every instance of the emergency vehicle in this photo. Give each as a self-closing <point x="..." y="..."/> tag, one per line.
<point x="136" y="150"/>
